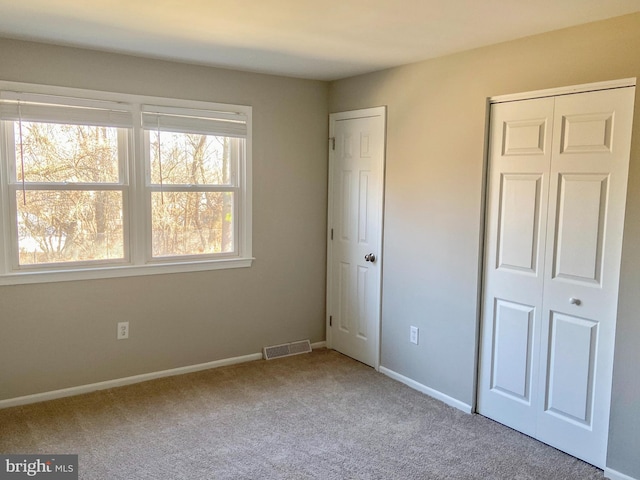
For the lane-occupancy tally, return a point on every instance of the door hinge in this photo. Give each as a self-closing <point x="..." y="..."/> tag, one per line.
<point x="330" y="321"/>
<point x="333" y="143"/>
<point x="332" y="234"/>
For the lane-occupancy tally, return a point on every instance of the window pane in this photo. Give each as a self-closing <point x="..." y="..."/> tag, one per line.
<point x="69" y="226"/>
<point x="192" y="223"/>
<point x="191" y="159"/>
<point x="66" y="153"/>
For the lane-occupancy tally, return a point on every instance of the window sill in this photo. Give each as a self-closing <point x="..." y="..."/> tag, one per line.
<point x="70" y="275"/>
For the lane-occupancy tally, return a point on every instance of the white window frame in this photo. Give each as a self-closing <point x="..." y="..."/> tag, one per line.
<point x="136" y="192"/>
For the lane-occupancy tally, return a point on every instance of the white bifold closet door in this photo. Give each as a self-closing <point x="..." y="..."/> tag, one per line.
<point x="555" y="212"/>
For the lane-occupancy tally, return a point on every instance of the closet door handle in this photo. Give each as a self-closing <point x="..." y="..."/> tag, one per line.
<point x="575" y="301"/>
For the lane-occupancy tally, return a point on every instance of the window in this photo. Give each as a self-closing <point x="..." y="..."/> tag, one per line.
<point x="193" y="186"/>
<point x="96" y="185"/>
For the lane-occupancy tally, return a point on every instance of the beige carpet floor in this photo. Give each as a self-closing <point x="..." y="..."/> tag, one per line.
<point x="313" y="416"/>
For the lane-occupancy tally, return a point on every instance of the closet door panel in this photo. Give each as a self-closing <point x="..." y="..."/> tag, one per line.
<point x="589" y="165"/>
<point x="520" y="155"/>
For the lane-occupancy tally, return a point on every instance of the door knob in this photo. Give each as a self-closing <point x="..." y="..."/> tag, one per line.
<point x="575" y="301"/>
<point x="370" y="257"/>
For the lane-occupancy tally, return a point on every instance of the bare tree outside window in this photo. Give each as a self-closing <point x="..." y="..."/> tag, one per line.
<point x="60" y="217"/>
<point x="200" y="219"/>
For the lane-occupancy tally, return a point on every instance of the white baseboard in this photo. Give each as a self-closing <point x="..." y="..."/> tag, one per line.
<point x="614" y="475"/>
<point x="427" y="390"/>
<point x="119" y="382"/>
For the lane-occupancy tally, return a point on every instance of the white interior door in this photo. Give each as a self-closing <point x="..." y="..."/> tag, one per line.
<point x="520" y="159"/>
<point x="591" y="144"/>
<point x="556" y="199"/>
<point x="356" y="180"/>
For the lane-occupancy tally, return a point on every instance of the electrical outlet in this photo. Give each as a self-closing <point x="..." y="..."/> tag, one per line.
<point x="413" y="335"/>
<point x="123" y="330"/>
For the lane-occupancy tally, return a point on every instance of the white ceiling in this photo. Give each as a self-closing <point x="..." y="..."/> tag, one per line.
<point x="324" y="40"/>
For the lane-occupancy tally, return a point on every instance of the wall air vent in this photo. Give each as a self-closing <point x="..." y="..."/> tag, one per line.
<point x="286" y="349"/>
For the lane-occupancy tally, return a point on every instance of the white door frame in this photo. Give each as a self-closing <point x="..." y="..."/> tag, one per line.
<point x="333" y="117"/>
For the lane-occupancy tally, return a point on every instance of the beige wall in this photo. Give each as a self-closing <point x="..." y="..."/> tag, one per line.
<point x="60" y="335"/>
<point x="434" y="194"/>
